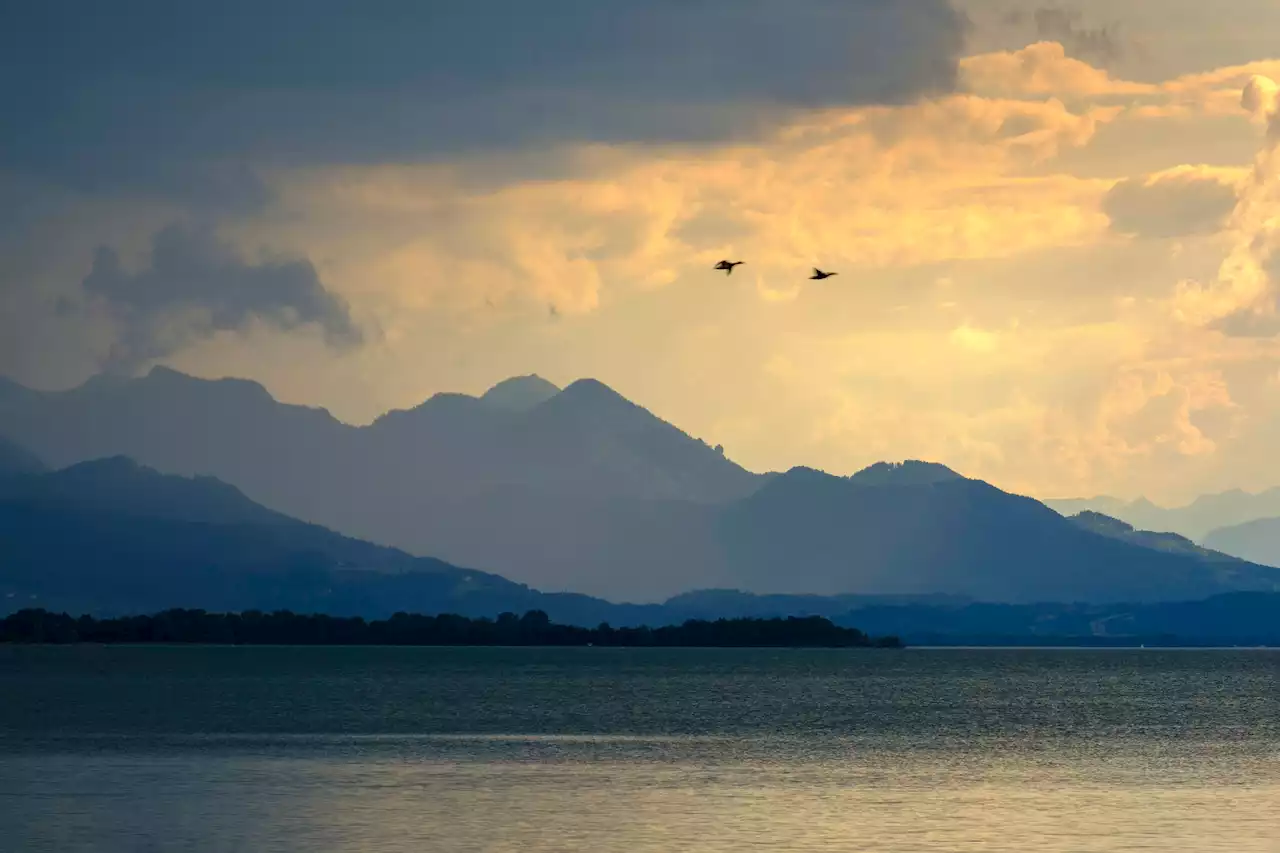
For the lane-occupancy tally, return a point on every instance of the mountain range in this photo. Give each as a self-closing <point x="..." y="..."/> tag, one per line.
<point x="113" y="537"/>
<point x="1243" y="524"/>
<point x="1257" y="540"/>
<point x="1196" y="520"/>
<point x="577" y="489"/>
<point x="110" y="537"/>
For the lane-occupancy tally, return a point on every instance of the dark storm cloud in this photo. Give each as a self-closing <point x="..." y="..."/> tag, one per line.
<point x="186" y="99"/>
<point x="1173" y="205"/>
<point x="194" y="287"/>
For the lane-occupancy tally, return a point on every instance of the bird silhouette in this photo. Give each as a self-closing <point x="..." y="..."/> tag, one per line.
<point x="728" y="266"/>
<point x="818" y="274"/>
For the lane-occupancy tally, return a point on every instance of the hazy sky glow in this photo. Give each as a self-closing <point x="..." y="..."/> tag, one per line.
<point x="1055" y="226"/>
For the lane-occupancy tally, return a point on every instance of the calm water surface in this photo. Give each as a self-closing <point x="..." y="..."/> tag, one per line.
<point x="333" y="749"/>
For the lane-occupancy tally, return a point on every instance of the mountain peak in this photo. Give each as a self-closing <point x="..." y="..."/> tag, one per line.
<point x="911" y="472"/>
<point x="593" y="396"/>
<point x="591" y="389"/>
<point x="520" y="393"/>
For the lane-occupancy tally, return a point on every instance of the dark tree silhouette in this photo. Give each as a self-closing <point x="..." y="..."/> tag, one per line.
<point x="406" y="629"/>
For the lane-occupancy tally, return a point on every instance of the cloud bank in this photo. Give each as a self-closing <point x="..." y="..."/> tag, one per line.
<point x="1244" y="300"/>
<point x="195" y="287"/>
<point x="179" y="97"/>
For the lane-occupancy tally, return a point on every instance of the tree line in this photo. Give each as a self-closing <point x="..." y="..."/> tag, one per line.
<point x="410" y="629"/>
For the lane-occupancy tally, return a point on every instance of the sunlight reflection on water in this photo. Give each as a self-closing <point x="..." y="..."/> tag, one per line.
<point x="991" y="751"/>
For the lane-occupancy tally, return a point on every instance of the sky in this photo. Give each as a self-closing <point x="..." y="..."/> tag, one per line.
<point x="1055" y="225"/>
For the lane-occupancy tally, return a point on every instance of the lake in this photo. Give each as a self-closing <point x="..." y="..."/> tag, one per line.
<point x="160" y="748"/>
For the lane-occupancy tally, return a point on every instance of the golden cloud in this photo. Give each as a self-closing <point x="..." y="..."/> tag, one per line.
<point x="944" y="179"/>
<point x="1040" y="382"/>
<point x="1244" y="300"/>
<point x="1043" y="69"/>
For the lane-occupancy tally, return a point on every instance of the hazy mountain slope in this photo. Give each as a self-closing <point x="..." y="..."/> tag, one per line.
<point x="550" y="487"/>
<point x="15" y="459"/>
<point x="1102" y="504"/>
<point x="1173" y="543"/>
<point x="624" y="549"/>
<point x="120" y="486"/>
<point x="825" y="535"/>
<point x="1194" y="521"/>
<point x="612" y="441"/>
<point x="581" y="490"/>
<point x="585" y="491"/>
<point x="1257" y="540"/>
<point x="586" y="440"/>
<point x="1235" y="572"/>
<point x="111" y="536"/>
<point x="291" y="458"/>
<point x="99" y="562"/>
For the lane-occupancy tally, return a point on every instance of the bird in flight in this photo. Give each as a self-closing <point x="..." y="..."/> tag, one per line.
<point x="818" y="274"/>
<point x="728" y="266"/>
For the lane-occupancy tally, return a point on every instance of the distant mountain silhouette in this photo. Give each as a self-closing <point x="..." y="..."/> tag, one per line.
<point x="582" y="490"/>
<point x="1173" y="543"/>
<point x="586" y="440"/>
<point x="111" y="536"/>
<point x="15" y="459"/>
<point x="1194" y="520"/>
<point x="1257" y="540"/>
<point x="826" y="535"/>
<point x="543" y="493"/>
<point x="1102" y="504"/>
<point x="291" y="458"/>
<point x="120" y="486"/>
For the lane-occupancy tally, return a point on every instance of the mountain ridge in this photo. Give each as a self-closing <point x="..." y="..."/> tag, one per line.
<point x="589" y="492"/>
<point x="112" y="537"/>
<point x="958" y="537"/>
<point x="1194" y="520"/>
<point x="439" y="478"/>
<point x="520" y="393"/>
<point x="1257" y="540"/>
